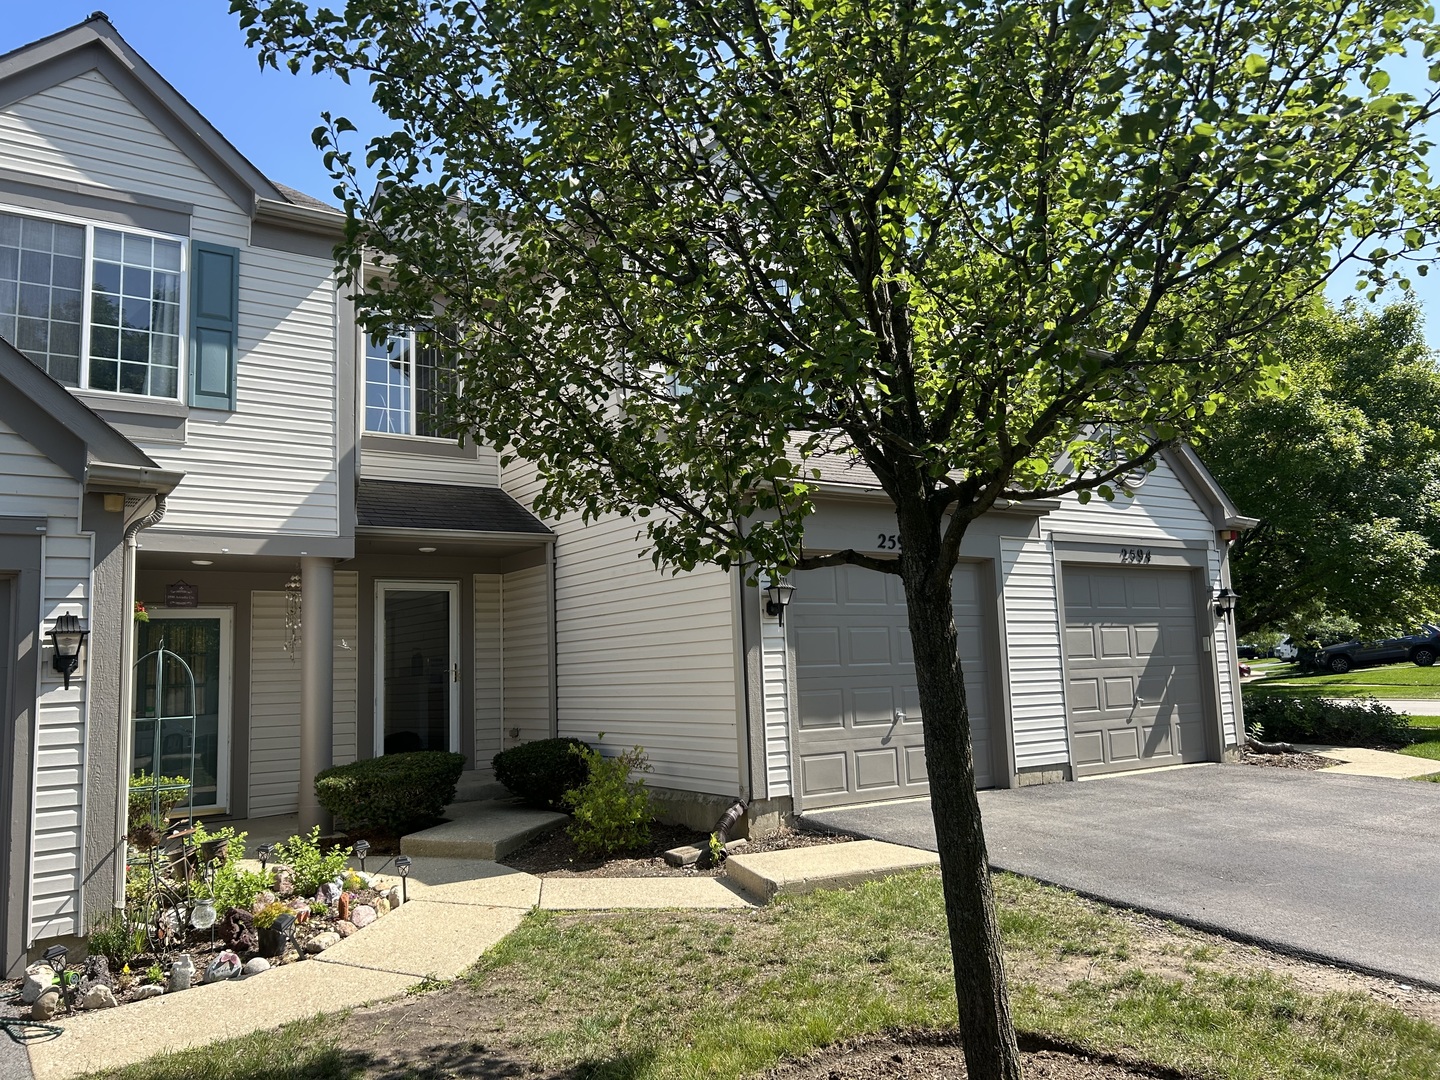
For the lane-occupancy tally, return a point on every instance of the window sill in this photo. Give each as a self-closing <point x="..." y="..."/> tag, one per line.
<point x="156" y="420"/>
<point x="133" y="404"/>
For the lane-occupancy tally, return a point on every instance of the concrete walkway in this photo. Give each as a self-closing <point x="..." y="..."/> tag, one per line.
<point x="455" y="911"/>
<point x="1358" y="761"/>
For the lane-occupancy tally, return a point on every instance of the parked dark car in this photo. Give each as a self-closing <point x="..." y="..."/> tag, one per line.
<point x="1247" y="652"/>
<point x="1420" y="648"/>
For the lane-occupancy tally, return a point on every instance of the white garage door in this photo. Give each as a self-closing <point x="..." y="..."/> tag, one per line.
<point x="1132" y="669"/>
<point x="860" y="732"/>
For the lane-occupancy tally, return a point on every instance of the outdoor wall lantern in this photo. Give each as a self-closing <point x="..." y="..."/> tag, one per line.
<point x="1225" y="603"/>
<point x="778" y="595"/>
<point x="67" y="637"/>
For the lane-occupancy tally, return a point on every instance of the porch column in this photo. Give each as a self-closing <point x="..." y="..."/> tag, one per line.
<point x="317" y="687"/>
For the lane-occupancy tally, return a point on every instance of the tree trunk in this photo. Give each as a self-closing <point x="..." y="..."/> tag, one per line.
<point x="987" y="1031"/>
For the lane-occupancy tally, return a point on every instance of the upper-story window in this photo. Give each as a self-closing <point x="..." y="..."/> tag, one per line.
<point x="406" y="386"/>
<point x="96" y="307"/>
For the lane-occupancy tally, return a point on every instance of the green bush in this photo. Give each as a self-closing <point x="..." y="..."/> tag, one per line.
<point x="147" y="809"/>
<point x="310" y="867"/>
<point x="232" y="886"/>
<point x="612" y="812"/>
<point x="543" y="772"/>
<point x="391" y="794"/>
<point x="1322" y="720"/>
<point x="116" y="939"/>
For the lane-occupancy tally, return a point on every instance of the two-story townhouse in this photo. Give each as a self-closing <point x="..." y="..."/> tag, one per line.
<point x="190" y="309"/>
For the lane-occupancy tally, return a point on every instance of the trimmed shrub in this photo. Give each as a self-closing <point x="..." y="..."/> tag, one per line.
<point x="310" y="864"/>
<point x="391" y="794"/>
<point x="612" y="812"/>
<point x="543" y="772"/>
<point x="1324" y="720"/>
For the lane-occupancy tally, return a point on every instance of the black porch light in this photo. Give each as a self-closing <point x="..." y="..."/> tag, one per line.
<point x="778" y="594"/>
<point x="67" y="636"/>
<point x="1225" y="603"/>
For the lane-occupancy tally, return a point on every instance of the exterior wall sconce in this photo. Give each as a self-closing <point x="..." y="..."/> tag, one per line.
<point x="1225" y="603"/>
<point x="778" y="595"/>
<point x="67" y="637"/>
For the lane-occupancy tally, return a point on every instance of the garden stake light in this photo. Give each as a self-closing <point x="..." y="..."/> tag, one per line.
<point x="362" y="848"/>
<point x="402" y="864"/>
<point x="263" y="854"/>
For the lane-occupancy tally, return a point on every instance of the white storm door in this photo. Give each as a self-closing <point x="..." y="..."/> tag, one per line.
<point x="417" y="666"/>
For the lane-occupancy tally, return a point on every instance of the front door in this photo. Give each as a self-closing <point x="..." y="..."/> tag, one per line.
<point x="165" y="742"/>
<point x="417" y="668"/>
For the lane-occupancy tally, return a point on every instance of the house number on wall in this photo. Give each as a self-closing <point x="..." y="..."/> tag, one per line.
<point x="1135" y="555"/>
<point x="887" y="542"/>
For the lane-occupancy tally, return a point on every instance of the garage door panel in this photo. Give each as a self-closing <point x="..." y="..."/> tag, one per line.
<point x="852" y="745"/>
<point x="1136" y="701"/>
<point x="818" y="646"/>
<point x="868" y="645"/>
<point x="877" y="769"/>
<point x="820" y="709"/>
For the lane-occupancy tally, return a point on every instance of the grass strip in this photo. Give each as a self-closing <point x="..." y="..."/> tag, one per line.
<point x="676" y="995"/>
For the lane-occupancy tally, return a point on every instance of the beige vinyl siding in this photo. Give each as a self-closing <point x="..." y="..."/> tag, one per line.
<point x="274" y="781"/>
<point x="31" y="485"/>
<point x="422" y="468"/>
<point x="644" y="656"/>
<point x="525" y="661"/>
<point x="774" y="664"/>
<point x="1032" y="637"/>
<point x="282" y="438"/>
<point x="488" y="680"/>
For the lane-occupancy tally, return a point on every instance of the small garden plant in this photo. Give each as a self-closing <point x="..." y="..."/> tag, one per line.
<point x="612" y="812"/>
<point x="310" y="865"/>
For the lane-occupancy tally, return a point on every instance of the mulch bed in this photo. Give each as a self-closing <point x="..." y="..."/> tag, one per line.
<point x="555" y="854"/>
<point x="1298" y="760"/>
<point x="937" y="1056"/>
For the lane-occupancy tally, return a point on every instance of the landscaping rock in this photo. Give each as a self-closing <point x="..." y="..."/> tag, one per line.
<point x="382" y="906"/>
<point x="688" y="855"/>
<point x="362" y="915"/>
<point x="320" y="942"/>
<point x="46" y="1005"/>
<point x="345" y="928"/>
<point x="284" y="883"/>
<point x="237" y="930"/>
<point x="329" y="892"/>
<point x="182" y="973"/>
<point x="735" y="847"/>
<point x="38" y="979"/>
<point x="149" y="990"/>
<point x="342" y="905"/>
<point x="98" y="996"/>
<point x="225" y="966"/>
<point x="262" y="901"/>
<point x="96" y="972"/>
<point x="395" y="897"/>
<point x="254" y="966"/>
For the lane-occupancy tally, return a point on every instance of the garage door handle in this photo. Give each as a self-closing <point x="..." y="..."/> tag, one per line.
<point x="899" y="716"/>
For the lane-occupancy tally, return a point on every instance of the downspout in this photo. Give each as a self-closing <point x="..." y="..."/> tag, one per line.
<point x="127" y="683"/>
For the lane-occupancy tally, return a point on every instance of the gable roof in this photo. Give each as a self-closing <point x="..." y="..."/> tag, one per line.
<point x="67" y="431"/>
<point x="95" y="45"/>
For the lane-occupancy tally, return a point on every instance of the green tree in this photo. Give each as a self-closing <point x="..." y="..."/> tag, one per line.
<point x="994" y="251"/>
<point x="1344" y="474"/>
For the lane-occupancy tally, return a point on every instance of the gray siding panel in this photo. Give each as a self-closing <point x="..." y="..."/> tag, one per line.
<point x="1032" y="636"/>
<point x="525" y="660"/>
<point x="489" y="706"/>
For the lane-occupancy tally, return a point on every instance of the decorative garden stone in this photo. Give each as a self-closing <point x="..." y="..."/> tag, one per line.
<point x="284" y="883"/>
<point x="345" y="928"/>
<point x="38" y="979"/>
<point x="96" y="972"/>
<point x="328" y="892"/>
<point x="262" y="901"/>
<point x="320" y="942"/>
<point x="395" y="897"/>
<point x="149" y="990"/>
<point x="237" y="930"/>
<point x="343" y="906"/>
<point x="382" y="906"/>
<point x="98" y="996"/>
<point x="182" y="973"/>
<point x="46" y="1005"/>
<point x="362" y="916"/>
<point x="254" y="966"/>
<point x="225" y="966"/>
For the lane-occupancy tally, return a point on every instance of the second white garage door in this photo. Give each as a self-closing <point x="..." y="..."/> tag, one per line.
<point x="861" y="737"/>
<point x="1132" y="669"/>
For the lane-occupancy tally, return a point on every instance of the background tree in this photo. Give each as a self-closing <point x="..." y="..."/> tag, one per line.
<point x="1344" y="474"/>
<point x="991" y="250"/>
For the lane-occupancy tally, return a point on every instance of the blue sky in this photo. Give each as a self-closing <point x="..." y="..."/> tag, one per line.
<point x="198" y="46"/>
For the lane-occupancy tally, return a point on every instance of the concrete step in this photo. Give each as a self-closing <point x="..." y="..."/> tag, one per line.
<point x="476" y="786"/>
<point x="767" y="874"/>
<point x="486" y="829"/>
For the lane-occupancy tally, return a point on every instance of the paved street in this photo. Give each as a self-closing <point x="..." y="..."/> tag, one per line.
<point x="1341" y="868"/>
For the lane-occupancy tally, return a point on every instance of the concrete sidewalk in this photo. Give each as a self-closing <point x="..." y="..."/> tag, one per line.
<point x="1358" y="761"/>
<point x="456" y="910"/>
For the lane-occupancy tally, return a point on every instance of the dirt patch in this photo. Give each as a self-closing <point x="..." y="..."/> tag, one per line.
<point x="555" y="854"/>
<point x="1298" y="760"/>
<point x="937" y="1056"/>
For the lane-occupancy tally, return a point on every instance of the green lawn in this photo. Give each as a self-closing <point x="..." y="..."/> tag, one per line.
<point x="1429" y="748"/>
<point x="1391" y="680"/>
<point x="674" y="996"/>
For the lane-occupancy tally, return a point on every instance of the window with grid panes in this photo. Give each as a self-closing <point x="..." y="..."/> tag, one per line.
<point x="407" y="385"/>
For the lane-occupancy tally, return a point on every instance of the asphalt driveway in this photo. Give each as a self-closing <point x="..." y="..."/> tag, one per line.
<point x="1345" y="869"/>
